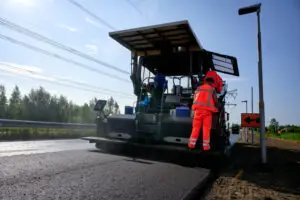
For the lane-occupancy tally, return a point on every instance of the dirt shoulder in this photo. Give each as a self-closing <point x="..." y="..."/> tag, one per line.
<point x="245" y="178"/>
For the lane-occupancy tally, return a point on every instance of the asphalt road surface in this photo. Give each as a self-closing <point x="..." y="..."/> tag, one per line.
<point x="47" y="146"/>
<point x="72" y="169"/>
<point x="44" y="146"/>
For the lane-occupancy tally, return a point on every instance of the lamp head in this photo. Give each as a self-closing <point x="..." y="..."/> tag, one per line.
<point x="250" y="9"/>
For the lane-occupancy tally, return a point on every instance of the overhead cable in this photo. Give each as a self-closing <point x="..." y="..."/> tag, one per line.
<point x="80" y="87"/>
<point x="91" y="14"/>
<point x="18" y="42"/>
<point x="135" y="7"/>
<point x="47" y="40"/>
<point x="64" y="80"/>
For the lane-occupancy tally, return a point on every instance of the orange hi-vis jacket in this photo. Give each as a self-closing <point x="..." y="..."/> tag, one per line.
<point x="218" y="80"/>
<point x="203" y="106"/>
<point x="204" y="98"/>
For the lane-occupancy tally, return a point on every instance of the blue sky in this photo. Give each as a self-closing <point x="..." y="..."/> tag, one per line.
<point x="216" y="23"/>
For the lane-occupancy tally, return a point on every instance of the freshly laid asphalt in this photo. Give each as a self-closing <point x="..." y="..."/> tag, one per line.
<point x="73" y="169"/>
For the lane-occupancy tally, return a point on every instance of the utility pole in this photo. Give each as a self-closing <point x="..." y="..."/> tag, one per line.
<point x="252" y="131"/>
<point x="246" y="129"/>
<point x="243" y="11"/>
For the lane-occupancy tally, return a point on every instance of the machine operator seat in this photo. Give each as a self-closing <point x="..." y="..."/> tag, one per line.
<point x="177" y="90"/>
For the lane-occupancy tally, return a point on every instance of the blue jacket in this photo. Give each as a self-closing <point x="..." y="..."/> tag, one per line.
<point x="160" y="81"/>
<point x="145" y="102"/>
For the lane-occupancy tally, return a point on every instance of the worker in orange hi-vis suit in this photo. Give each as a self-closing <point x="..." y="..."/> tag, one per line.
<point x="204" y="105"/>
<point x="218" y="84"/>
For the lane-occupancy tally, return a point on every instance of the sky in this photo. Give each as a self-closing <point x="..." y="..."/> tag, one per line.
<point x="216" y="24"/>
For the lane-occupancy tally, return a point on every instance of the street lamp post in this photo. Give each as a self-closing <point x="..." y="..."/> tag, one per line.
<point x="247" y="10"/>
<point x="246" y="129"/>
<point x="252" y="131"/>
<point x="246" y="101"/>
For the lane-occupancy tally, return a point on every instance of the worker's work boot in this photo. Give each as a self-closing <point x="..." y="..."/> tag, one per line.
<point x="206" y="147"/>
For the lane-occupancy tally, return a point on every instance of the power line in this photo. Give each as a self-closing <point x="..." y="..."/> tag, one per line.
<point x="91" y="14"/>
<point x="135" y="7"/>
<point x="42" y="38"/>
<point x="76" y="87"/>
<point x="18" y="42"/>
<point x="66" y="80"/>
<point x="81" y="86"/>
<point x="230" y="94"/>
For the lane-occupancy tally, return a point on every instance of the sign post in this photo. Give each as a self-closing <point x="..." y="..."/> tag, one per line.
<point x="250" y="120"/>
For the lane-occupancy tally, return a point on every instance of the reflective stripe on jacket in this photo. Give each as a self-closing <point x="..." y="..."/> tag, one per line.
<point x="204" y="98"/>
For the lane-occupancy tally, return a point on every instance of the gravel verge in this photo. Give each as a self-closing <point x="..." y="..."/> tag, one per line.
<point x="246" y="178"/>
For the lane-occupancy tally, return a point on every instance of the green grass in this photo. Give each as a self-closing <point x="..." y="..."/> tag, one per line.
<point x="287" y="136"/>
<point x="284" y="136"/>
<point x="19" y="133"/>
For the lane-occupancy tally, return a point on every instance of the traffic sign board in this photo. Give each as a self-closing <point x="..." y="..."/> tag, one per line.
<point x="250" y="120"/>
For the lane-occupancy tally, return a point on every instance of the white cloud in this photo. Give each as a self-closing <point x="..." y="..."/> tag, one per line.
<point x="23" y="67"/>
<point x="92" y="49"/>
<point x="69" y="28"/>
<point x="13" y="69"/>
<point x="92" y="22"/>
<point x="23" y="70"/>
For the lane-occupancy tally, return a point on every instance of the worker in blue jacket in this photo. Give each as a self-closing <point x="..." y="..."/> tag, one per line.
<point x="160" y="85"/>
<point x="160" y="81"/>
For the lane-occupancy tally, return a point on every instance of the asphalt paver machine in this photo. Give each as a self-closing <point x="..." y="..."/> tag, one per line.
<point x="163" y="116"/>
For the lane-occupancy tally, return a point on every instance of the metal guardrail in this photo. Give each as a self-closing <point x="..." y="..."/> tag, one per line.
<point x="39" y="124"/>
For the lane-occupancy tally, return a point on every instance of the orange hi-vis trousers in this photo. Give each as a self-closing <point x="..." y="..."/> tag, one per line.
<point x="202" y="119"/>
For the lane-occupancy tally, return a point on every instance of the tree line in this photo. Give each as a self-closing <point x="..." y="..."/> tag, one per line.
<point x="40" y="105"/>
